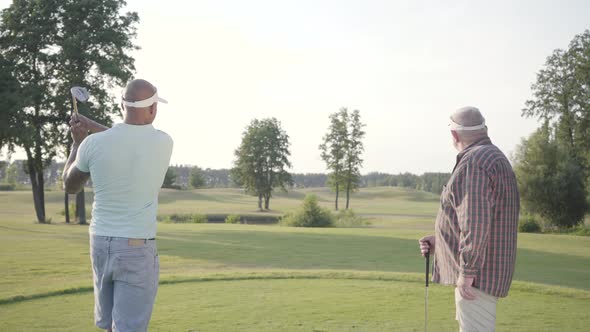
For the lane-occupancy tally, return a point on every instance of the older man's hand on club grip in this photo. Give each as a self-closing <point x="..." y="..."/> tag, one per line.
<point x="427" y="245"/>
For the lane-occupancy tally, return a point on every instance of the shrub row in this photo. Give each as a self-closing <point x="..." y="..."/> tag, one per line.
<point x="7" y="186"/>
<point x="188" y="218"/>
<point x="529" y="224"/>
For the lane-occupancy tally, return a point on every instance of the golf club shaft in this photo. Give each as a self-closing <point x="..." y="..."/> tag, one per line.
<point x="427" y="267"/>
<point x="426" y="310"/>
<point x="426" y="293"/>
<point x="75" y="104"/>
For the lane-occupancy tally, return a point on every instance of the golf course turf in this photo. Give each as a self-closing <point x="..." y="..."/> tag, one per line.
<point x="232" y="277"/>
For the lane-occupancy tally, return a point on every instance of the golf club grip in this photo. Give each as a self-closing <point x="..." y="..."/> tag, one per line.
<point x="75" y="104"/>
<point x="427" y="267"/>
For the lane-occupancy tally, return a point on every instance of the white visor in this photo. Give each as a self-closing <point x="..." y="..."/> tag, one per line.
<point x="455" y="126"/>
<point x="146" y="102"/>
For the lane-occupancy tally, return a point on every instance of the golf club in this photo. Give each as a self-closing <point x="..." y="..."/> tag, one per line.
<point x="79" y="94"/>
<point x="427" y="256"/>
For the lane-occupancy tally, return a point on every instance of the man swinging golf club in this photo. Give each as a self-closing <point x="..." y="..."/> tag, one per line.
<point x="474" y="244"/>
<point x="127" y="164"/>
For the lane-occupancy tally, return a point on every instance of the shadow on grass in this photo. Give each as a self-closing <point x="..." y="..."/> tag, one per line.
<point x="263" y="249"/>
<point x="305" y="251"/>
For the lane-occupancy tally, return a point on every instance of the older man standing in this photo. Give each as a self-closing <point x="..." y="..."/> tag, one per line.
<point x="127" y="164"/>
<point x="474" y="244"/>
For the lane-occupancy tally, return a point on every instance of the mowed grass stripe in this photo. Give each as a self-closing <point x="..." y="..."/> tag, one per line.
<point x="319" y="275"/>
<point x="302" y="305"/>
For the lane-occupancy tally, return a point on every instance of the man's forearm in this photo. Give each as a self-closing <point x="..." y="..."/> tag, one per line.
<point x="69" y="162"/>
<point x="95" y="127"/>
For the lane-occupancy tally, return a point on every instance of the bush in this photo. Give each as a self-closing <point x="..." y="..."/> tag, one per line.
<point x="581" y="230"/>
<point x="347" y="218"/>
<point x="177" y="218"/>
<point x="180" y="218"/>
<point x="7" y="186"/>
<point x="71" y="209"/>
<point x="199" y="219"/>
<point x="173" y="186"/>
<point x="310" y="214"/>
<point x="528" y="224"/>
<point x="232" y="219"/>
<point x="550" y="180"/>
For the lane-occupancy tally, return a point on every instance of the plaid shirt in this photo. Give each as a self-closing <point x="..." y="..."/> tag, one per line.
<point x="477" y="221"/>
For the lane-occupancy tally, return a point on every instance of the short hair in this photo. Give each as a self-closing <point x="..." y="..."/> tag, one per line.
<point x="138" y="89"/>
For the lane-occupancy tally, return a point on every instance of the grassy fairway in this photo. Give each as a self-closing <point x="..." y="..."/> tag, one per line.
<point x="218" y="277"/>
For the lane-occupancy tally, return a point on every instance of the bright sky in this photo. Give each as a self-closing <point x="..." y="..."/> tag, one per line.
<point x="406" y="65"/>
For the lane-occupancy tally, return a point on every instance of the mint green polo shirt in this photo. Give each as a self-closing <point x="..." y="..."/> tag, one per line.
<point x="127" y="164"/>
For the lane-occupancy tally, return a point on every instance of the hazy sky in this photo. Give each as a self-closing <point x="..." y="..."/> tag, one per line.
<point x="406" y="65"/>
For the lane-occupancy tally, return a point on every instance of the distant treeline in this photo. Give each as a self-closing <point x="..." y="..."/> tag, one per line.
<point x="431" y="182"/>
<point x="15" y="172"/>
<point x="221" y="178"/>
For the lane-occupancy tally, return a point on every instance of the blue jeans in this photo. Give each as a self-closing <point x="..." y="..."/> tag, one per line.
<point x="126" y="273"/>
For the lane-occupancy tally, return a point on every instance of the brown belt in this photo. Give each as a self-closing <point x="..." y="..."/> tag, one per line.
<point x="138" y="242"/>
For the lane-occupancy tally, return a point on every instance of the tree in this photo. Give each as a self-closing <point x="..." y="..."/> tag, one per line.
<point x="9" y="102"/>
<point x="197" y="180"/>
<point x="48" y="46"/>
<point x="354" y="149"/>
<point x="27" y="34"/>
<point x="217" y="178"/>
<point x="94" y="41"/>
<point x="12" y="173"/>
<point x="341" y="150"/>
<point x="561" y="101"/>
<point x="169" y="178"/>
<point x="333" y="151"/>
<point x="309" y="180"/>
<point x="561" y="96"/>
<point x="262" y="160"/>
<point x="550" y="180"/>
<point x="433" y="182"/>
<point x="3" y="166"/>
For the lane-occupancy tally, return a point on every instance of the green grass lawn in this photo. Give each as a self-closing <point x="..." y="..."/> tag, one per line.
<point x="218" y="277"/>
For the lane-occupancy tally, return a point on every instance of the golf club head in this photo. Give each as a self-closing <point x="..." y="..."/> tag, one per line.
<point x="80" y="93"/>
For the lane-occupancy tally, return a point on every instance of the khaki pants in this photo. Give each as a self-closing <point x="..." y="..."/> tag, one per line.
<point x="478" y="315"/>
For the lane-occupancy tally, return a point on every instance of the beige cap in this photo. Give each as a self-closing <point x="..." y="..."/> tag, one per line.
<point x="467" y="118"/>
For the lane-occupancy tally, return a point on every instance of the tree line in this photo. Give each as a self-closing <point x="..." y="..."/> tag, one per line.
<point x="184" y="177"/>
